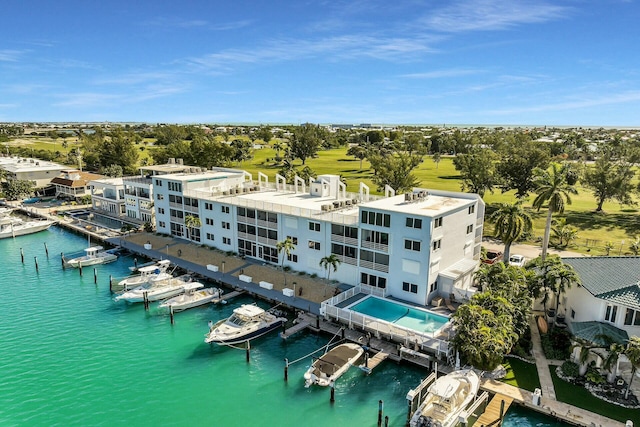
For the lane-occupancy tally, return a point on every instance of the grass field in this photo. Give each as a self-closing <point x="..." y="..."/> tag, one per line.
<point x="521" y="374"/>
<point x="618" y="225"/>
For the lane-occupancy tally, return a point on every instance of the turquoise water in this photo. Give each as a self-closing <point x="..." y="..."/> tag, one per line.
<point x="71" y="356"/>
<point x="400" y="314"/>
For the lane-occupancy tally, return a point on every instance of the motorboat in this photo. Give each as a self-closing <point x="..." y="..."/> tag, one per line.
<point x="447" y="399"/>
<point x="94" y="255"/>
<point x="11" y="226"/>
<point x="155" y="273"/>
<point x="195" y="295"/>
<point x="330" y="366"/>
<point x="246" y="323"/>
<point x="156" y="291"/>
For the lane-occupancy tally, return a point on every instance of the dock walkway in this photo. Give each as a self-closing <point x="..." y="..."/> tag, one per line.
<point x="494" y="412"/>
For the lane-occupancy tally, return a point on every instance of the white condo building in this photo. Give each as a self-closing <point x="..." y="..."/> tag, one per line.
<point x="416" y="246"/>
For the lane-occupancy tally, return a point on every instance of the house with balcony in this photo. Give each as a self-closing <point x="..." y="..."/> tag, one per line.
<point x="40" y="172"/>
<point x="74" y="184"/>
<point x="414" y="246"/>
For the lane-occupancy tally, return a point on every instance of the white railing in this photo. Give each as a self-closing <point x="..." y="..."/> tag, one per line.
<point x="343" y="239"/>
<point x="347" y="260"/>
<point x="375" y="246"/>
<point x="373" y="266"/>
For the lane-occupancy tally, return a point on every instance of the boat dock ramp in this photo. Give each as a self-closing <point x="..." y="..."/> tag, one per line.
<point x="494" y="411"/>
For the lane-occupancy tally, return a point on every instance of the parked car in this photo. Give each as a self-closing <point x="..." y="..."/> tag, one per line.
<point x="492" y="257"/>
<point x="517" y="260"/>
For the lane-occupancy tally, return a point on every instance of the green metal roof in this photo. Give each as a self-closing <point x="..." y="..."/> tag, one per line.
<point x="590" y="331"/>
<point x="615" y="279"/>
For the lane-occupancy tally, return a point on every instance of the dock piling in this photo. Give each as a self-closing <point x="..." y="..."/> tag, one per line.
<point x="21" y="255"/>
<point x="95" y="276"/>
<point x="46" y="250"/>
<point x="248" y="351"/>
<point x="171" y="314"/>
<point x="145" y="299"/>
<point x="332" y="398"/>
<point x="380" y="410"/>
<point x="286" y="369"/>
<point x="386" y="421"/>
<point x="110" y="283"/>
<point x="62" y="260"/>
<point x="35" y="258"/>
<point x="80" y="268"/>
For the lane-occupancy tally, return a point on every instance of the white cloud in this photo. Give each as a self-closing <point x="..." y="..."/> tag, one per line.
<point x="8" y="55"/>
<point x="438" y="74"/>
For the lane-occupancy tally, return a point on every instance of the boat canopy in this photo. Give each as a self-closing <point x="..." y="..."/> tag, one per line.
<point x="248" y="310"/>
<point x="445" y="387"/>
<point x="94" y="249"/>
<point x="193" y="286"/>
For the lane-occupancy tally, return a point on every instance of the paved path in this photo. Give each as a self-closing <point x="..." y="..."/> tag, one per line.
<point x="542" y="364"/>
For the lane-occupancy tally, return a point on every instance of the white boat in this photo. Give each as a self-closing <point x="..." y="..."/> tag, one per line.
<point x="446" y="400"/>
<point x="195" y="295"/>
<point x="93" y="255"/>
<point x="156" y="291"/>
<point x="150" y="274"/>
<point x="330" y="366"/>
<point x="246" y="323"/>
<point x="11" y="226"/>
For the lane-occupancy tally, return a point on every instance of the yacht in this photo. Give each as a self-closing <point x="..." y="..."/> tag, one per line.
<point x="155" y="273"/>
<point x="446" y="400"/>
<point x="93" y="255"/>
<point x="195" y="295"/>
<point x="11" y="226"/>
<point x="156" y="291"/>
<point x="246" y="323"/>
<point x="330" y="366"/>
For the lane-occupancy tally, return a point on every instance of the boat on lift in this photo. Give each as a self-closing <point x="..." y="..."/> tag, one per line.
<point x="156" y="291"/>
<point x="195" y="295"/>
<point x="11" y="226"/>
<point x="94" y="255"/>
<point x="330" y="366"/>
<point x="155" y="273"/>
<point x="246" y="323"/>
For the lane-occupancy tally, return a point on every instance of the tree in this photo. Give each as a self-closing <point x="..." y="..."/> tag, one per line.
<point x="477" y="170"/>
<point x="611" y="361"/>
<point x="635" y="246"/>
<point x="610" y="180"/>
<point x="359" y="152"/>
<point x="552" y="276"/>
<point x="564" y="233"/>
<point x="511" y="222"/>
<point x="396" y="171"/>
<point x="306" y="141"/>
<point x="436" y="157"/>
<point x="119" y="149"/>
<point x="585" y="347"/>
<point x="516" y="168"/>
<point x="284" y="248"/>
<point x="15" y="189"/>
<point x="329" y="262"/>
<point x="191" y="222"/>
<point x="633" y="354"/>
<point x="242" y="150"/>
<point x="553" y="189"/>
<point x="113" y="171"/>
<point x="166" y="135"/>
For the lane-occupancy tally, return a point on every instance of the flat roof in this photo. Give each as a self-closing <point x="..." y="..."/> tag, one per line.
<point x="434" y="204"/>
<point x="297" y="200"/>
<point x="20" y="164"/>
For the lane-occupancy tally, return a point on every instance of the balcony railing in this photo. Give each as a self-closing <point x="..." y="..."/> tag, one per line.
<point x="375" y="246"/>
<point x="374" y="266"/>
<point x="343" y="239"/>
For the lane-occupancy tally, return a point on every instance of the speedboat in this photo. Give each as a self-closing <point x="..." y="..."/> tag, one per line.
<point x="156" y="291"/>
<point x="11" y="226"/>
<point x="93" y="255"/>
<point x="330" y="366"/>
<point x="150" y="274"/>
<point x="195" y="295"/>
<point x="246" y="323"/>
<point x="447" y="399"/>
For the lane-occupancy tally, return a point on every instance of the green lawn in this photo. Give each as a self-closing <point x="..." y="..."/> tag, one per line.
<point x="521" y="374"/>
<point x="581" y="398"/>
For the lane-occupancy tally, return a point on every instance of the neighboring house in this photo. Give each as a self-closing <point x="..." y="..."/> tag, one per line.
<point x="41" y="172"/>
<point x="607" y="301"/>
<point x="74" y="184"/>
<point x="415" y="246"/>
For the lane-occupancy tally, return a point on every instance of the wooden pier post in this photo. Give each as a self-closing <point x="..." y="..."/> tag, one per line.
<point x="21" y="255"/>
<point x="135" y="263"/>
<point x="248" y="351"/>
<point x="145" y="299"/>
<point x="366" y="359"/>
<point x="286" y="370"/>
<point x="386" y="421"/>
<point x="62" y="260"/>
<point x="110" y="283"/>
<point x="171" y="314"/>
<point x="80" y="267"/>
<point x="95" y="275"/>
<point x="380" y="410"/>
<point x="332" y="398"/>
<point x="35" y="258"/>
<point x="46" y="250"/>
<point x="501" y="409"/>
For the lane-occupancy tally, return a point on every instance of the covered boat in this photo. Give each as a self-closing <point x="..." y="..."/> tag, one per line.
<point x="195" y="295"/>
<point x="446" y="400"/>
<point x="246" y="323"/>
<point x="156" y="291"/>
<point x="331" y="365"/>
<point x="93" y="255"/>
<point x="157" y="272"/>
<point x="11" y="226"/>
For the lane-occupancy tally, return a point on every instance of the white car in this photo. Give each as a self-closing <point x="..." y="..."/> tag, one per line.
<point x="517" y="260"/>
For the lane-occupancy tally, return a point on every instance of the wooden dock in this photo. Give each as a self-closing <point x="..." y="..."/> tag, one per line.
<point x="228" y="296"/>
<point x="299" y="326"/>
<point x="372" y="362"/>
<point x="491" y="416"/>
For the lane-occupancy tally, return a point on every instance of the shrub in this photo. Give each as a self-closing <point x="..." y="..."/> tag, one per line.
<point x="570" y="369"/>
<point x="556" y="344"/>
<point x="593" y="376"/>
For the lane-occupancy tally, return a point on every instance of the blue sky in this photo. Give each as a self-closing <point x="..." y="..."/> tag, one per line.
<point x="512" y="62"/>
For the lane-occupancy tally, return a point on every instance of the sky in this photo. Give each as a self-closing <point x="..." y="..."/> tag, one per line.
<point x="480" y="62"/>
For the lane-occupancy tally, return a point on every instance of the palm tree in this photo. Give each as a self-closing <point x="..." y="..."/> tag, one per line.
<point x="285" y="247"/>
<point x="511" y="222"/>
<point x="611" y="361"/>
<point x="635" y="246"/>
<point x="564" y="233"/>
<point x="329" y="261"/>
<point x="633" y="354"/>
<point x="554" y="190"/>
<point x="585" y="347"/>
<point x="191" y="222"/>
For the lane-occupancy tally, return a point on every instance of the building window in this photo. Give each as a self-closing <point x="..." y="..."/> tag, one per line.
<point x="208" y="221"/>
<point x="210" y="236"/>
<point x="632" y="317"/>
<point x="162" y="224"/>
<point x="159" y="196"/>
<point x="226" y="225"/>
<point x="225" y="209"/>
<point x="292" y="257"/>
<point x="226" y="240"/>
<point x="372" y="280"/>
<point x="410" y="287"/>
<point x="437" y="244"/>
<point x="293" y="239"/>
<point x="208" y="206"/>
<point x="314" y="245"/>
<point x="414" y="223"/>
<point x="433" y="286"/>
<point x="469" y="228"/>
<point x="314" y="226"/>
<point x="158" y="183"/>
<point x="437" y="222"/>
<point x="472" y="209"/>
<point x="161" y="211"/>
<point x="610" y="314"/>
<point x="376" y="218"/>
<point x="412" y="245"/>
<point x="174" y="186"/>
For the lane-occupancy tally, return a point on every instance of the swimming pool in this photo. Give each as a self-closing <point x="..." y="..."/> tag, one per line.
<point x="400" y="314"/>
